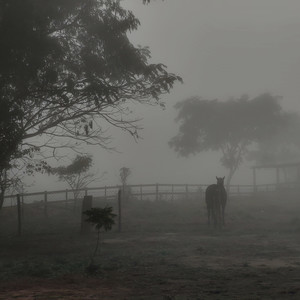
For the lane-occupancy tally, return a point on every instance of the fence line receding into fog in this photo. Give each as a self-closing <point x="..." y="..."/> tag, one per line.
<point x="142" y="192"/>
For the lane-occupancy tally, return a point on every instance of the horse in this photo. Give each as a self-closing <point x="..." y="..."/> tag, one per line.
<point x="216" y="198"/>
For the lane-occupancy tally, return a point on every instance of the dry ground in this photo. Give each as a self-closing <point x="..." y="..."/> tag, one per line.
<point x="166" y="251"/>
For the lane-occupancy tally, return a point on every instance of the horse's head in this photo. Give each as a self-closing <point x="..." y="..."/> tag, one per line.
<point x="220" y="181"/>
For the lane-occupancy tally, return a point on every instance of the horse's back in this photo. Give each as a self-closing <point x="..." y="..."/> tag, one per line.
<point x="210" y="194"/>
<point x="211" y="190"/>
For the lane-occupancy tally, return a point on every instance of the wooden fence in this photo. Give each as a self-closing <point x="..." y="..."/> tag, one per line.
<point x="114" y="195"/>
<point x="156" y="192"/>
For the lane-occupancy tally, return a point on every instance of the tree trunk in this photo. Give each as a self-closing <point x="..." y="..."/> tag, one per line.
<point x="97" y="245"/>
<point x="1" y="199"/>
<point x="3" y="186"/>
<point x="229" y="177"/>
<point x="86" y="205"/>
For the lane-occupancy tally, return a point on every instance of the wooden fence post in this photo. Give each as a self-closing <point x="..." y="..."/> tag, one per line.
<point x="45" y="204"/>
<point x="19" y="215"/>
<point x="66" y="197"/>
<point x="156" y="192"/>
<point x="86" y="205"/>
<point x="141" y="192"/>
<point x="120" y="209"/>
<point x="22" y="200"/>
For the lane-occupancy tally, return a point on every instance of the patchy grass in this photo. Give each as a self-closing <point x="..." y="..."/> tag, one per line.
<point x="165" y="251"/>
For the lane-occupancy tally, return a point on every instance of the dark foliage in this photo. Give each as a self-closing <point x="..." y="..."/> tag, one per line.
<point x="101" y="217"/>
<point x="227" y="126"/>
<point x="76" y="174"/>
<point x="80" y="164"/>
<point x="67" y="68"/>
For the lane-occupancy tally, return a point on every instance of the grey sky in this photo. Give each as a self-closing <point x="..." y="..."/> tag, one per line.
<point x="226" y="47"/>
<point x="221" y="48"/>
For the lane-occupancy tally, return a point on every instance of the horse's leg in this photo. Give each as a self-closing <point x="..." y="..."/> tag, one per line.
<point x="208" y="211"/>
<point x="215" y="213"/>
<point x="224" y="202"/>
<point x="208" y="216"/>
<point x="219" y="218"/>
<point x="215" y="219"/>
<point x="223" y="214"/>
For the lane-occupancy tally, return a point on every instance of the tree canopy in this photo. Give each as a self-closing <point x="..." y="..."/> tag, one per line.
<point x="77" y="174"/>
<point x="64" y="63"/>
<point x="124" y="175"/>
<point x="283" y="147"/>
<point x="68" y="70"/>
<point x="227" y="126"/>
<point x="10" y="133"/>
<point x="80" y="164"/>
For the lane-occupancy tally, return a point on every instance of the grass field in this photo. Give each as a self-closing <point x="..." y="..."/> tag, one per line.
<point x="165" y="251"/>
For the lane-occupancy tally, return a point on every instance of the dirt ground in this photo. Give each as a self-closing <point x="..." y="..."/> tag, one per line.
<point x="165" y="251"/>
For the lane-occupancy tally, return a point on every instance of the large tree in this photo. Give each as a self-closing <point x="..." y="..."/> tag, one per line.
<point x="69" y="70"/>
<point x="227" y="126"/>
<point x="283" y="147"/>
<point x="10" y="137"/>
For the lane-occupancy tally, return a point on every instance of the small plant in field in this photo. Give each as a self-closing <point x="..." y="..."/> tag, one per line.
<point x="100" y="218"/>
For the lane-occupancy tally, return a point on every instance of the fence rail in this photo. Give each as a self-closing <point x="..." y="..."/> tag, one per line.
<point x="50" y="206"/>
<point x="142" y="192"/>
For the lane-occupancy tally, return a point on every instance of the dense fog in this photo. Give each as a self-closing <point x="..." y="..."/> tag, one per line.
<point x="221" y="50"/>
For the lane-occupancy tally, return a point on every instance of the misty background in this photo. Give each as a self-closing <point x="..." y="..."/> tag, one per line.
<point x="221" y="49"/>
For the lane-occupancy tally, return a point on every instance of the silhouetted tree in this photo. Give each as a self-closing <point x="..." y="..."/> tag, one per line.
<point x="77" y="174"/>
<point x="227" y="126"/>
<point x="67" y="68"/>
<point x="282" y="147"/>
<point x="11" y="172"/>
<point x="124" y="175"/>
<point x="100" y="218"/>
<point x="10" y="137"/>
